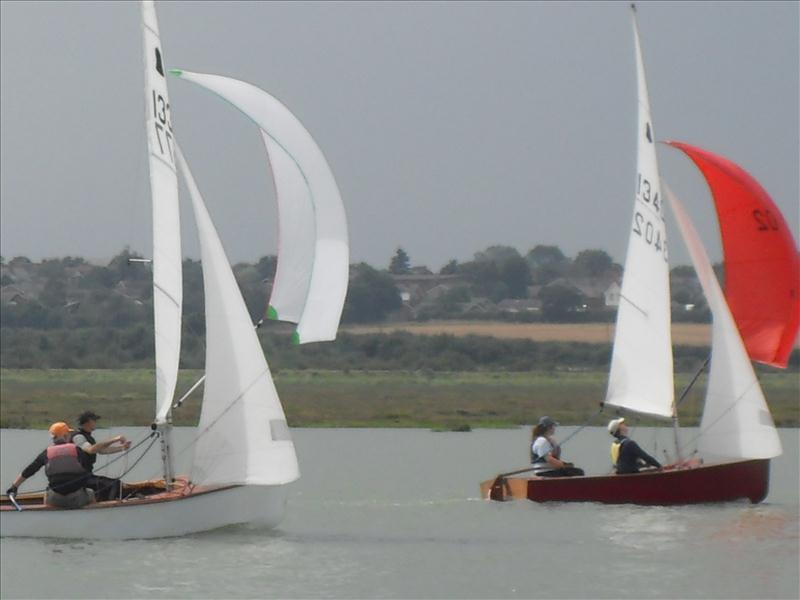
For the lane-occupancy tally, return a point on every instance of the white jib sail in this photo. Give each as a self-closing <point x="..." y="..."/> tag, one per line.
<point x="736" y="420"/>
<point x="328" y="273"/>
<point x="167" y="275"/>
<point x="242" y="436"/>
<point x="641" y="376"/>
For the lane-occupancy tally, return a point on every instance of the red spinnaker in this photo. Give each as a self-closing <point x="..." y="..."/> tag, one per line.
<point x="762" y="267"/>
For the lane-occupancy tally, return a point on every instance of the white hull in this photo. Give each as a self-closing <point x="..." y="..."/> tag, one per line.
<point x="260" y="505"/>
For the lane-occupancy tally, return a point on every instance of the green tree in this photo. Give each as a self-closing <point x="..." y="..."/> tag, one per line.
<point x="514" y="272"/>
<point x="400" y="263"/>
<point x="497" y="254"/>
<point x="266" y="266"/>
<point x="371" y="296"/>
<point x="559" y="302"/>
<point x="683" y="271"/>
<point x="592" y="263"/>
<point x="451" y="268"/>
<point x="483" y="277"/>
<point x="54" y="294"/>
<point x="547" y="263"/>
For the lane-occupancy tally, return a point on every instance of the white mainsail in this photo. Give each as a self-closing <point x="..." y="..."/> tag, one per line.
<point x="313" y="289"/>
<point x="167" y="275"/>
<point x="736" y="420"/>
<point x="242" y="436"/>
<point x="641" y="377"/>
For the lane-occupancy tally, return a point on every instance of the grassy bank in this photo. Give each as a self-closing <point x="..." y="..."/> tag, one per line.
<point x="35" y="398"/>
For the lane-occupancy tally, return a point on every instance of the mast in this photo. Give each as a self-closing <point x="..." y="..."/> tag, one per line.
<point x="167" y="267"/>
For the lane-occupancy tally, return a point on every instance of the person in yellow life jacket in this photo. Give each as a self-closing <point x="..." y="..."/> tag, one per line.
<point x="67" y="468"/>
<point x="626" y="455"/>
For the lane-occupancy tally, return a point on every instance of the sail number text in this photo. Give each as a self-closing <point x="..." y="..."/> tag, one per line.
<point x="163" y="125"/>
<point x="650" y="233"/>
<point x="766" y="220"/>
<point x="645" y="192"/>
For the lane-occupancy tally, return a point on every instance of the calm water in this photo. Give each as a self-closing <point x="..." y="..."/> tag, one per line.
<point x="396" y="513"/>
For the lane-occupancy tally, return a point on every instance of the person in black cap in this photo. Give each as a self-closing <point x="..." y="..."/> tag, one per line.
<point x="105" y="488"/>
<point x="546" y="453"/>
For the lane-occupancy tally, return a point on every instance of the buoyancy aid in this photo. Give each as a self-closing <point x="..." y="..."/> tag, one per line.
<point x="63" y="462"/>
<point x="616" y="447"/>
<point x="92" y="458"/>
<point x="540" y="462"/>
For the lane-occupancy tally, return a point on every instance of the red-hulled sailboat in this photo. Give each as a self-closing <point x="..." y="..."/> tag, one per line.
<point x="737" y="436"/>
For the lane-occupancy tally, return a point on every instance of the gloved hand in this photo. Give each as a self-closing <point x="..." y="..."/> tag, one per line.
<point x="12" y="491"/>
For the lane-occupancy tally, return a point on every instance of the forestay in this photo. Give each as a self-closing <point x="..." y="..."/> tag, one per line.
<point x="736" y="421"/>
<point x="762" y="267"/>
<point x="242" y="436"/>
<point x="641" y="376"/>
<point x="313" y="260"/>
<point x="167" y="276"/>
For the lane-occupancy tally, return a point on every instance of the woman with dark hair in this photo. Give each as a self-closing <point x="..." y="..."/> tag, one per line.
<point x="546" y="453"/>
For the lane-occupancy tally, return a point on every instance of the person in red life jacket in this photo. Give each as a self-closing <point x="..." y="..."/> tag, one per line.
<point x="67" y="468"/>
<point x="626" y="455"/>
<point x="105" y="488"/>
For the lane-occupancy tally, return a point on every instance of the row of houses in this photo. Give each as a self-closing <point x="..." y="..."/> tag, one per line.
<point x="423" y="288"/>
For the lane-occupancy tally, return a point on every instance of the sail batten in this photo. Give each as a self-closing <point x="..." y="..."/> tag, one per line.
<point x="166" y="260"/>
<point x="243" y="438"/>
<point x="313" y="261"/>
<point x="640" y="378"/>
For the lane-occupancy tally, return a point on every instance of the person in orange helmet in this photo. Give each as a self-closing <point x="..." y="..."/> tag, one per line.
<point x="67" y="468"/>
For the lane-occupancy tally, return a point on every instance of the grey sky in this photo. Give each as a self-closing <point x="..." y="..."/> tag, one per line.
<point x="448" y="126"/>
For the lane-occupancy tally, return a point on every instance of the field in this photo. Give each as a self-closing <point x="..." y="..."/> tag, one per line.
<point x="35" y="398"/>
<point x="685" y="334"/>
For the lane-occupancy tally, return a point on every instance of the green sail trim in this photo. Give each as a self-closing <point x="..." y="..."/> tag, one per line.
<point x="176" y="72"/>
<point x="272" y="314"/>
<point x="296" y="338"/>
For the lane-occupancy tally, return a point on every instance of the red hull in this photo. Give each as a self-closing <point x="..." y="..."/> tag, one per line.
<point x="715" y="483"/>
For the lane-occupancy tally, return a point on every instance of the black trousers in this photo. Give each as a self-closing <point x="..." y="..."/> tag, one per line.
<point x="565" y="472"/>
<point x="104" y="488"/>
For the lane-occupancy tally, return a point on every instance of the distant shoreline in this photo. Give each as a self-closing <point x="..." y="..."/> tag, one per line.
<point x="34" y="398"/>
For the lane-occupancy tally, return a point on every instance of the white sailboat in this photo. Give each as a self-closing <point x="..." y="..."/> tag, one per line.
<point x="737" y="435"/>
<point x="243" y="454"/>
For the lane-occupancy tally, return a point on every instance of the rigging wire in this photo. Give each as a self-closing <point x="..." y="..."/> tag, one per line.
<point x="582" y="427"/>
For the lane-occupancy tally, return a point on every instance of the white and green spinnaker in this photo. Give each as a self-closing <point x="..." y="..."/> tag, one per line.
<point x="313" y="254"/>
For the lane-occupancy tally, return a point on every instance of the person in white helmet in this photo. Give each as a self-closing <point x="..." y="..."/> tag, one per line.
<point x="626" y="455"/>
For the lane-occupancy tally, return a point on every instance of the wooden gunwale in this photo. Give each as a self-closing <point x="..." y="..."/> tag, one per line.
<point x="182" y="493"/>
